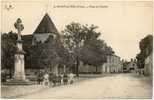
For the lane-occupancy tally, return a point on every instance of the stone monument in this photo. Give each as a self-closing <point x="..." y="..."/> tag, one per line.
<point x="19" y="72"/>
<point x="19" y="77"/>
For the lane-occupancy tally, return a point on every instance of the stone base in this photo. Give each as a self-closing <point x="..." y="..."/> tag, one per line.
<point x="18" y="82"/>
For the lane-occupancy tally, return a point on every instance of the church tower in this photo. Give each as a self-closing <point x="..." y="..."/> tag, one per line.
<point x="44" y="30"/>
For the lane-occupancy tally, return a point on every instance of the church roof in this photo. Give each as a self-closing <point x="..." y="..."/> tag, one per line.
<point x="46" y="26"/>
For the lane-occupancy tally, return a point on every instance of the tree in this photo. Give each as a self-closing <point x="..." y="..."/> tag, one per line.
<point x="33" y="53"/>
<point x="83" y="42"/>
<point x="125" y="64"/>
<point x="146" y="47"/>
<point x="73" y="38"/>
<point x="8" y="49"/>
<point x="140" y="60"/>
<point x="94" y="50"/>
<point x="48" y="54"/>
<point x="93" y="54"/>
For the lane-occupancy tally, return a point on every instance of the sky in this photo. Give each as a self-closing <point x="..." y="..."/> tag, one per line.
<point x="122" y="23"/>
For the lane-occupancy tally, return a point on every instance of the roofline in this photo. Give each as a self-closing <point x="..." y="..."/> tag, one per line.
<point x="46" y="14"/>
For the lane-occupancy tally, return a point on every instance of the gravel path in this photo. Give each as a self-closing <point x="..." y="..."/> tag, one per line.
<point x="112" y="86"/>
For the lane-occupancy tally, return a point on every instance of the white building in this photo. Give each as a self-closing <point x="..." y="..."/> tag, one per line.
<point x="132" y="66"/>
<point x="113" y="65"/>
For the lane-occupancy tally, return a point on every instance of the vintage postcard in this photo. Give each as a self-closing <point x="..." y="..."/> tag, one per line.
<point x="76" y="49"/>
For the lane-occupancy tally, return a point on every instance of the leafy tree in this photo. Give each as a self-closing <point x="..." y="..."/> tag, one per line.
<point x="48" y="54"/>
<point x="73" y="38"/>
<point x="82" y="41"/>
<point x="93" y="54"/>
<point x="94" y="50"/>
<point x="140" y="60"/>
<point x="32" y="56"/>
<point x="125" y="64"/>
<point x="146" y="47"/>
<point x="8" y="49"/>
<point x="91" y="36"/>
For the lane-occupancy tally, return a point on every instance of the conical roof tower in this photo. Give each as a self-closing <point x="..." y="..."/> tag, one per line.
<point x="46" y="26"/>
<point x="44" y="30"/>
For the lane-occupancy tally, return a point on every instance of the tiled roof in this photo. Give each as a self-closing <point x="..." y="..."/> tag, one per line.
<point x="46" y="26"/>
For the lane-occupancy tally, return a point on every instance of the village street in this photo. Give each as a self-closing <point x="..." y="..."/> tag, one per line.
<point x="111" y="86"/>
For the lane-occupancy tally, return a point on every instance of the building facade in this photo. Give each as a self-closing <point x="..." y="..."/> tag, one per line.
<point x="132" y="66"/>
<point x="89" y="69"/>
<point x="113" y="65"/>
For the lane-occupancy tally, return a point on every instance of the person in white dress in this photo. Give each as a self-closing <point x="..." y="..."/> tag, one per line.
<point x="71" y="78"/>
<point x="46" y="80"/>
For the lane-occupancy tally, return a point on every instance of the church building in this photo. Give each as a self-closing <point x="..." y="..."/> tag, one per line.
<point x="45" y="29"/>
<point x="42" y="32"/>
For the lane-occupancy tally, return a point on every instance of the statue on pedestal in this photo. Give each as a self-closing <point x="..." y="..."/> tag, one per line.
<point x="19" y="73"/>
<point x="19" y="77"/>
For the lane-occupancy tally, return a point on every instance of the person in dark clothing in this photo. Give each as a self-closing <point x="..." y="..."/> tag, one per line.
<point x="65" y="79"/>
<point x="3" y="77"/>
<point x="51" y="76"/>
<point x="40" y="78"/>
<point x="54" y="79"/>
<point x="59" y="79"/>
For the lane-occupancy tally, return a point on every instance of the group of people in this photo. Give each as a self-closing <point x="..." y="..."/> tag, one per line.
<point x="49" y="79"/>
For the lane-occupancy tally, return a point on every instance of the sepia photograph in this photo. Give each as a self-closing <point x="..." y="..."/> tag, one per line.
<point x="76" y="49"/>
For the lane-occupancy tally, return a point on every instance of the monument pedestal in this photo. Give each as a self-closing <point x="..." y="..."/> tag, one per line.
<point x="18" y="82"/>
<point x="19" y="73"/>
<point x="19" y="77"/>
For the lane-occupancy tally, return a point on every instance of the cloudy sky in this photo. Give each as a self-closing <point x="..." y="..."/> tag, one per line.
<point x="122" y="24"/>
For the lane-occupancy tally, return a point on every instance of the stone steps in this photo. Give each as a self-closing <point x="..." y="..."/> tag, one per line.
<point x="19" y="82"/>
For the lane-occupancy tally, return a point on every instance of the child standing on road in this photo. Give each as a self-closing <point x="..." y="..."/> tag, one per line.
<point x="71" y="78"/>
<point x="46" y="79"/>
